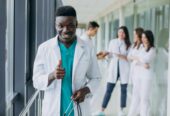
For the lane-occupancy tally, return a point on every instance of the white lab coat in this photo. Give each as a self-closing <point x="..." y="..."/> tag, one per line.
<point x="89" y="40"/>
<point x="85" y="68"/>
<point x="118" y="46"/>
<point x="133" y="52"/>
<point x="146" y="57"/>
<point x="142" y="83"/>
<point x="85" y="37"/>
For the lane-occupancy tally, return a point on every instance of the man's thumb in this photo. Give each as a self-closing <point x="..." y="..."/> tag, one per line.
<point x="59" y="63"/>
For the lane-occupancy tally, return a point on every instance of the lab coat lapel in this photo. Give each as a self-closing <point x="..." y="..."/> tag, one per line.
<point x="79" y="50"/>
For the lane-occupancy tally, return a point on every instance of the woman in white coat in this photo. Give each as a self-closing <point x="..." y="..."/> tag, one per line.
<point x="134" y="51"/>
<point x="118" y="67"/>
<point x="144" y="69"/>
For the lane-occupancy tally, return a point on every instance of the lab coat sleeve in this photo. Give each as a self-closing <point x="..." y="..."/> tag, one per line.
<point x="130" y="54"/>
<point x="93" y="73"/>
<point x="149" y="58"/>
<point x="40" y="77"/>
<point x="110" y="50"/>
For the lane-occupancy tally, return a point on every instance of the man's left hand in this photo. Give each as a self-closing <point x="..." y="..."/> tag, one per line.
<point x="80" y="94"/>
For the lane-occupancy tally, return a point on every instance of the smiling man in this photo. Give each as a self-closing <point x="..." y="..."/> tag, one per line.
<point x="66" y="69"/>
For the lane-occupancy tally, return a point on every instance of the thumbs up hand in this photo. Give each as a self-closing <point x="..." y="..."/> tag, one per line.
<point x="59" y="71"/>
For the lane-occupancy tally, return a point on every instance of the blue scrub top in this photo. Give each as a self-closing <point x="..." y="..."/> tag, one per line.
<point x="67" y="58"/>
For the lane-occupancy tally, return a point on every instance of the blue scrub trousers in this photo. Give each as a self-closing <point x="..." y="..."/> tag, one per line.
<point x="109" y="89"/>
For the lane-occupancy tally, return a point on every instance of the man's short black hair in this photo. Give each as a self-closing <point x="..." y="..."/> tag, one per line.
<point x="66" y="11"/>
<point x="93" y="24"/>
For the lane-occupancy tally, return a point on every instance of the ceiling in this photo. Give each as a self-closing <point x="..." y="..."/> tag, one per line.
<point x="88" y="9"/>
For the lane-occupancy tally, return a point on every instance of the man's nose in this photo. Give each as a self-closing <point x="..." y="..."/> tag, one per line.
<point x="65" y="29"/>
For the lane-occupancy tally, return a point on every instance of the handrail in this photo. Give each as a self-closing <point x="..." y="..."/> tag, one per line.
<point x="30" y="102"/>
<point x="15" y="96"/>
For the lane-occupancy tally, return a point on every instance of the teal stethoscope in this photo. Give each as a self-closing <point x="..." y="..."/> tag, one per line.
<point x="69" y="112"/>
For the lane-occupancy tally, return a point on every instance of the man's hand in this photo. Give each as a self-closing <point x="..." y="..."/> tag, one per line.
<point x="80" y="94"/>
<point x="146" y="66"/>
<point x="58" y="73"/>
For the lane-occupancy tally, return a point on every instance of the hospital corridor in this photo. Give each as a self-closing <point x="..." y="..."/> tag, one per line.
<point x="85" y="57"/>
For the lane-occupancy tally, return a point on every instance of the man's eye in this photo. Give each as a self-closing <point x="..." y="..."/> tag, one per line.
<point x="67" y="26"/>
<point x="71" y="26"/>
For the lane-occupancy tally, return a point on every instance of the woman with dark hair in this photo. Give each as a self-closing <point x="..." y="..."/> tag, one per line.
<point x="133" y="52"/>
<point x="144" y="68"/>
<point x="138" y="37"/>
<point x="118" y="67"/>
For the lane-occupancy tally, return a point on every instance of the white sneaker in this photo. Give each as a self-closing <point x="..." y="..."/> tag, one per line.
<point x="99" y="113"/>
<point x="121" y="113"/>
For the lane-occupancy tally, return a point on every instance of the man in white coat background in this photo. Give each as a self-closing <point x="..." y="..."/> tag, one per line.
<point x="66" y="69"/>
<point x="91" y="31"/>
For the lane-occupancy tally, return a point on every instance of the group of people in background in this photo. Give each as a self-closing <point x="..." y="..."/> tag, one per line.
<point x="130" y="62"/>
